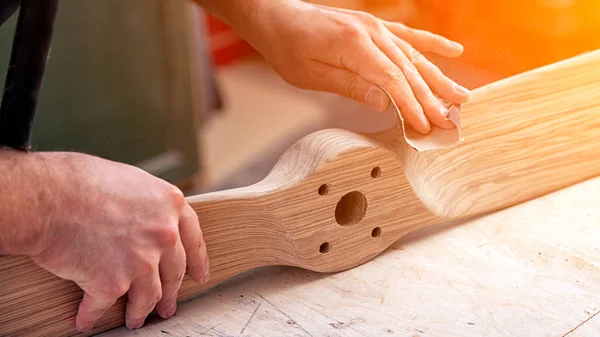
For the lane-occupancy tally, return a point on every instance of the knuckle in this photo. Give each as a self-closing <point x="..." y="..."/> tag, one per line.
<point x="197" y="246"/>
<point x="392" y="76"/>
<point x="168" y="234"/>
<point x="114" y="289"/>
<point x="411" y="73"/>
<point x="431" y="107"/>
<point x="433" y="98"/>
<point x="413" y="33"/>
<point x="198" y="270"/>
<point x="156" y="296"/>
<point x="416" y="57"/>
<point x="145" y="305"/>
<point x="353" y="32"/>
<point x="369" y="19"/>
<point x="174" y="280"/>
<point x="200" y="244"/>
<point x="176" y="196"/>
<point x="350" y="88"/>
<point x="153" y="296"/>
<point x="145" y="265"/>
<point x="400" y="30"/>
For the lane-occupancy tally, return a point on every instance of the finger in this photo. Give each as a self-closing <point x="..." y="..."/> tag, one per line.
<point x="422" y="40"/>
<point x="144" y="293"/>
<point x="172" y="269"/>
<point x="198" y="265"/>
<point x="437" y="80"/>
<point x="372" y="64"/>
<point x="358" y="52"/>
<point x="91" y="310"/>
<point x="325" y="77"/>
<point x="425" y="41"/>
<point x="435" y="111"/>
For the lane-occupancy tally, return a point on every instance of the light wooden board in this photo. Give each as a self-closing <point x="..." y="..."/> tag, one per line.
<point x="529" y="270"/>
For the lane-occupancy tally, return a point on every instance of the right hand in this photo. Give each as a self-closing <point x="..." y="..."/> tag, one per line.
<point x="115" y="230"/>
<point x="354" y="54"/>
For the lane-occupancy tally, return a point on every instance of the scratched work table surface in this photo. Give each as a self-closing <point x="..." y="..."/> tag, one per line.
<point x="529" y="270"/>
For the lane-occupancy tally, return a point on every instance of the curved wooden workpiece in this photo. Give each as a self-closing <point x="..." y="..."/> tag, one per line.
<point x="336" y="199"/>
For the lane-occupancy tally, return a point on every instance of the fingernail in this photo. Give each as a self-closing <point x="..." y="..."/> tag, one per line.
<point x="205" y="277"/>
<point x="171" y="310"/>
<point x="87" y="329"/>
<point x="138" y="324"/>
<point x="455" y="44"/>
<point x="444" y="112"/>
<point x="460" y="89"/>
<point x="134" y="324"/>
<point x="376" y="99"/>
<point x="426" y="127"/>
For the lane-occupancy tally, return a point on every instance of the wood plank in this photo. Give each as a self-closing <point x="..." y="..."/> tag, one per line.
<point x="525" y="137"/>
<point x="528" y="270"/>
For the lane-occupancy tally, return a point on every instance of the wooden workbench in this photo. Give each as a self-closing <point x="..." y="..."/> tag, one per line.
<point x="529" y="270"/>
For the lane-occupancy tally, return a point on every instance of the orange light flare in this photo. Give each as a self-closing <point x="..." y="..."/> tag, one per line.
<point x="511" y="36"/>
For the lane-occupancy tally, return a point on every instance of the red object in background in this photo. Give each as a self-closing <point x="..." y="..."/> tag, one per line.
<point x="225" y="44"/>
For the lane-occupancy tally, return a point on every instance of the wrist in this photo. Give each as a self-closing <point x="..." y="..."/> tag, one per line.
<point x="251" y="19"/>
<point x="232" y="12"/>
<point x="27" y="202"/>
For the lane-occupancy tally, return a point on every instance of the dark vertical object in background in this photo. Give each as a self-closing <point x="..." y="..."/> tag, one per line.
<point x="28" y="58"/>
<point x="7" y="9"/>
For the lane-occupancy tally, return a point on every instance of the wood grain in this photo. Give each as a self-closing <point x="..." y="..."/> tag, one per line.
<point x="528" y="270"/>
<point x="337" y="199"/>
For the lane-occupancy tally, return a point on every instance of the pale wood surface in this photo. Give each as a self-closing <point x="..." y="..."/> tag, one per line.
<point x="529" y="270"/>
<point x="524" y="137"/>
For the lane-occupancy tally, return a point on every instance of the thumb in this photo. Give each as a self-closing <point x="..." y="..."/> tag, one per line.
<point x="351" y="85"/>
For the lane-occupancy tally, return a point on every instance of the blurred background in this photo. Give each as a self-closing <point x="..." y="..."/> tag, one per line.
<point x="166" y="87"/>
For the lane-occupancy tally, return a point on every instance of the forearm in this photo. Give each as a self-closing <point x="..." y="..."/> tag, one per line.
<point x="26" y="201"/>
<point x="247" y="17"/>
<point x="233" y="11"/>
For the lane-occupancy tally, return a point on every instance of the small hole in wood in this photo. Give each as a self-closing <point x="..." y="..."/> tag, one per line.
<point x="351" y="208"/>
<point x="325" y="247"/>
<point x="323" y="189"/>
<point x="376" y="232"/>
<point x="376" y="172"/>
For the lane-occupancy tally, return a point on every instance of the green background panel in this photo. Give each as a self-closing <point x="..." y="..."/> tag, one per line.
<point x="117" y="84"/>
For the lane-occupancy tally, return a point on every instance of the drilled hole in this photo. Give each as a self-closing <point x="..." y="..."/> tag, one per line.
<point x="323" y="189"/>
<point x="376" y="232"/>
<point x="325" y="247"/>
<point x="376" y="172"/>
<point x="351" y="208"/>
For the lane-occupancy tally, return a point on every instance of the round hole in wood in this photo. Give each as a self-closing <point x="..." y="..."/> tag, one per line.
<point x="325" y="247"/>
<point x="323" y="189"/>
<point x="351" y="208"/>
<point x="375" y="172"/>
<point x="376" y="232"/>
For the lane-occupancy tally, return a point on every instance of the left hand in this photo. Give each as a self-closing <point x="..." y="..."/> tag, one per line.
<point x="353" y="53"/>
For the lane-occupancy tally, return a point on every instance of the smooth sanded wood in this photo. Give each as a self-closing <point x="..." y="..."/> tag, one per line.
<point x="527" y="270"/>
<point x="336" y="199"/>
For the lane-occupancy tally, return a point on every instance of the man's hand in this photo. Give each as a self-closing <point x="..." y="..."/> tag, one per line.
<point x="111" y="228"/>
<point x="350" y="53"/>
